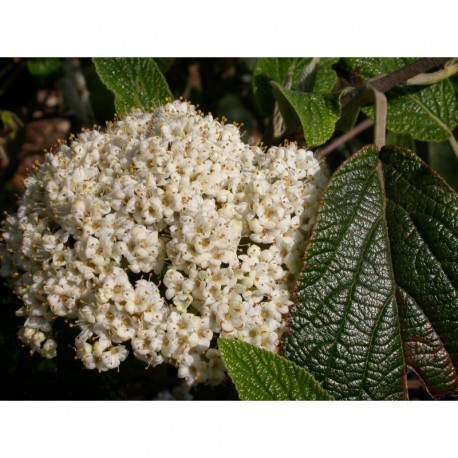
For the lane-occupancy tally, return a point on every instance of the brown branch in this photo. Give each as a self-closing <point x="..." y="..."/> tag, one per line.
<point x="361" y="127"/>
<point x="450" y="69"/>
<point x="364" y="94"/>
<point x="400" y="76"/>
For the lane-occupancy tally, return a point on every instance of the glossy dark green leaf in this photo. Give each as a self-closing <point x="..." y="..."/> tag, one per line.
<point x="427" y="113"/>
<point x="274" y="69"/>
<point x="366" y="68"/>
<point x="262" y="375"/>
<point x="348" y="119"/>
<point x="136" y="82"/>
<point x="378" y="292"/>
<point x="318" y="113"/>
<point x="303" y="74"/>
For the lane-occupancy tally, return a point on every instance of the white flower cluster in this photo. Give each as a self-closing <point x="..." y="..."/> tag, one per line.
<point x="164" y="231"/>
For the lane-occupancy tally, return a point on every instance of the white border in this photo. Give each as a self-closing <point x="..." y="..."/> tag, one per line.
<point x="228" y="28"/>
<point x="228" y="429"/>
<point x="241" y="28"/>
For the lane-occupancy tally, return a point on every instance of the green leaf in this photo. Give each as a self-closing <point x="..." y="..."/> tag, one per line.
<point x="378" y="292"/>
<point x="427" y="113"/>
<point x="136" y="82"/>
<point x="43" y="67"/>
<point x="318" y="113"/>
<point x="326" y="77"/>
<point x="261" y="375"/>
<point x="348" y="117"/>
<point x="306" y="74"/>
<point x="274" y="69"/>
<point x="8" y="119"/>
<point x="365" y="68"/>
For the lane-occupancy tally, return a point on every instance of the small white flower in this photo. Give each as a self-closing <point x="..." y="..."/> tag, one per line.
<point x="49" y="349"/>
<point x="164" y="231"/>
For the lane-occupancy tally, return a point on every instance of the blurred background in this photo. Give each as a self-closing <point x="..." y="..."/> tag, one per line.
<point x="44" y="100"/>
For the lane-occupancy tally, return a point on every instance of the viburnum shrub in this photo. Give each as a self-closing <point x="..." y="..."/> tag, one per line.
<point x="167" y="236"/>
<point x="163" y="231"/>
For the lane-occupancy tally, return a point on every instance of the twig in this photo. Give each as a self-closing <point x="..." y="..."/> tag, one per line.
<point x="400" y="76"/>
<point x="364" y="94"/>
<point x="361" y="127"/>
<point x="361" y="95"/>
<point x="451" y="67"/>
<point x="381" y="110"/>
